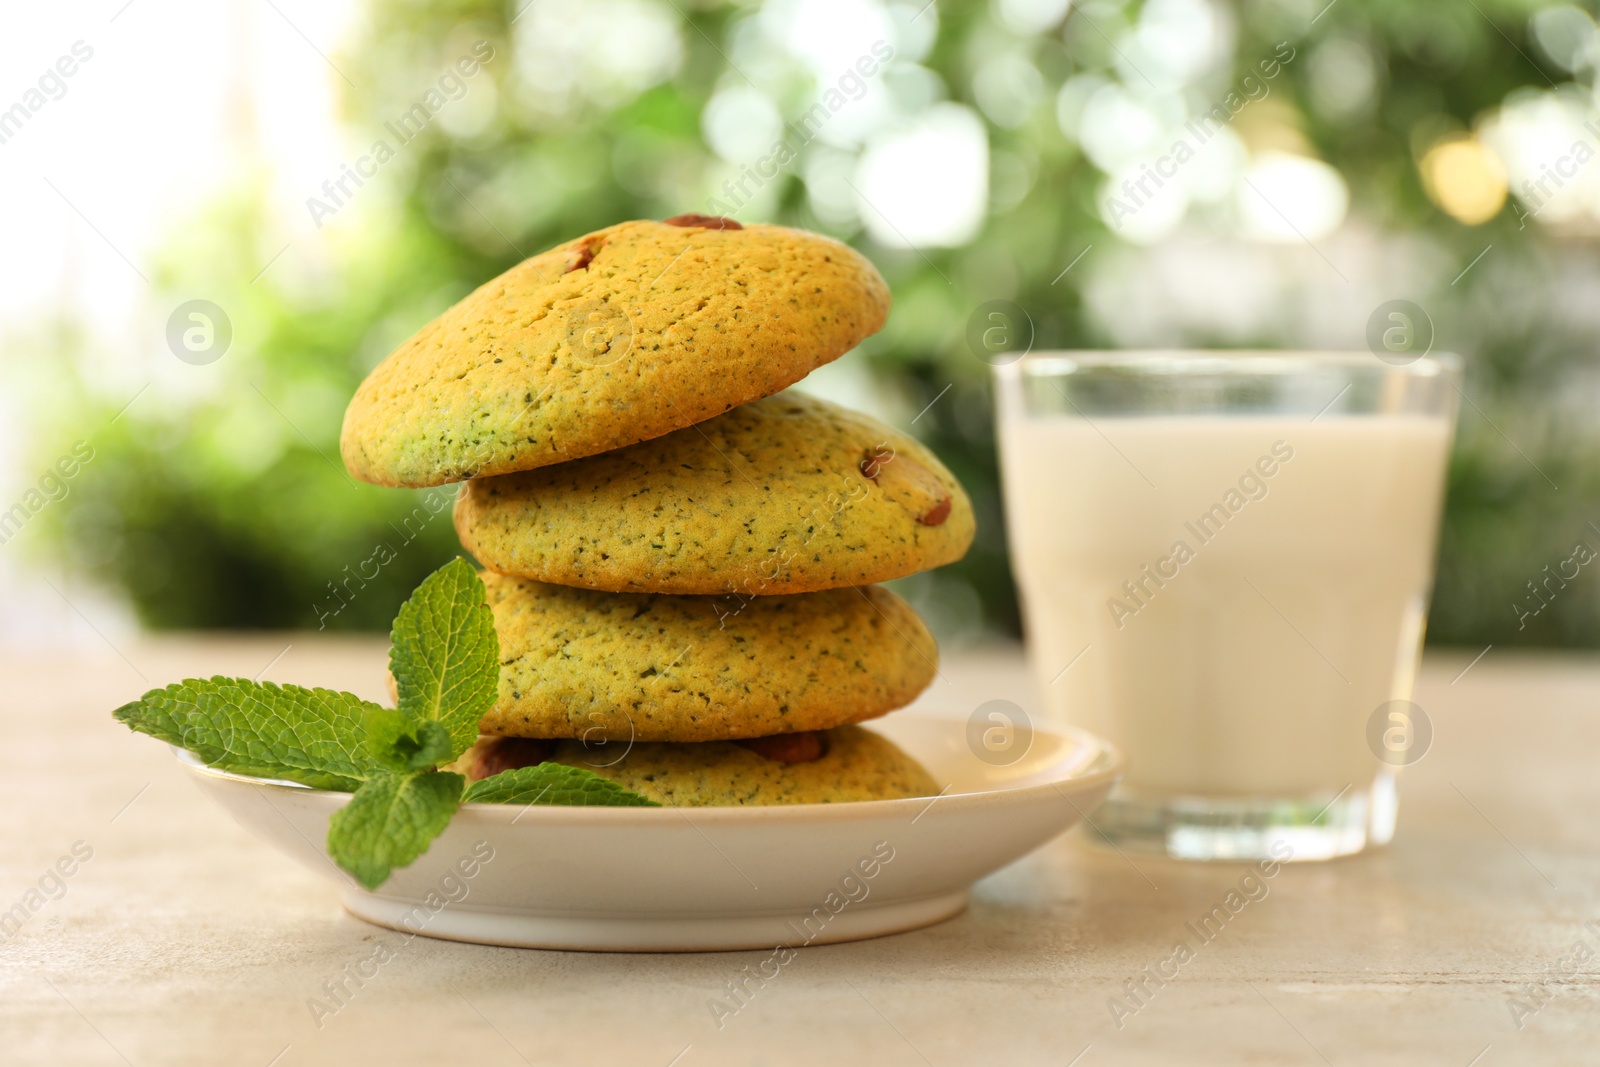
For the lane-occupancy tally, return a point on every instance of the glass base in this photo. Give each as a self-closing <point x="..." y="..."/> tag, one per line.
<point x="1312" y="827"/>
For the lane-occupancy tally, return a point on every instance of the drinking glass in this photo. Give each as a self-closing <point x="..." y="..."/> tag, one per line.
<point x="1224" y="561"/>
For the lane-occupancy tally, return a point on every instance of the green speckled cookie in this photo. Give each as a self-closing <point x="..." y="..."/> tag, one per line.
<point x="840" y="765"/>
<point x="619" y="336"/>
<point x="784" y="495"/>
<point x="577" y="663"/>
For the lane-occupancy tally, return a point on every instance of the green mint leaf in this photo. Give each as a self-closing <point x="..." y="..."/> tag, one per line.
<point x="392" y="820"/>
<point x="554" y="783"/>
<point x="312" y="736"/>
<point x="445" y="654"/>
<point x="403" y="743"/>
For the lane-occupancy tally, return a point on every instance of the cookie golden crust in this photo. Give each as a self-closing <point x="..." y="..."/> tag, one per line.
<point x="646" y="667"/>
<point x="856" y="764"/>
<point x="619" y="336"/>
<point x="784" y="495"/>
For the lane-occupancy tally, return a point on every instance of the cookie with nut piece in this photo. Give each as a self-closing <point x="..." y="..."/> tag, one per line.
<point x="616" y="337"/>
<point x="787" y="494"/>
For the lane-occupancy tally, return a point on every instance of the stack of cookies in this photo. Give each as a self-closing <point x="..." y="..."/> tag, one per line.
<point x="680" y="556"/>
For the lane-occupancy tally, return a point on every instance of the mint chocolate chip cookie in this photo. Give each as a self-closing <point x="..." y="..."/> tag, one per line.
<point x="788" y="494"/>
<point x="847" y="763"/>
<point x="616" y="337"/>
<point x="575" y="663"/>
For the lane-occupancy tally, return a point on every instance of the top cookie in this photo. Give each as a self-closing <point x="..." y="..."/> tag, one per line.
<point x="788" y="494"/>
<point x="616" y="337"/>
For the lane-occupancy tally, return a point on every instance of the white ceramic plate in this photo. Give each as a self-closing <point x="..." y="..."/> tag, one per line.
<point x="685" y="879"/>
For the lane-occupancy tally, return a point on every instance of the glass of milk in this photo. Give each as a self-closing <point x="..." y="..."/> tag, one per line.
<point x="1224" y="561"/>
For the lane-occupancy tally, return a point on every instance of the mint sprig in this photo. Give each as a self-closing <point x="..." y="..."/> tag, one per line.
<point x="554" y="783"/>
<point x="445" y="660"/>
<point x="261" y="729"/>
<point x="445" y="653"/>
<point x="391" y="821"/>
<point x="401" y="743"/>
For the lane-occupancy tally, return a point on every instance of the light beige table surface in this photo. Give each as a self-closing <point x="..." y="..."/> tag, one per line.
<point x="185" y="941"/>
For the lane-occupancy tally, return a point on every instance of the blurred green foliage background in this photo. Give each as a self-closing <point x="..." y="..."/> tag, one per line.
<point x="228" y="507"/>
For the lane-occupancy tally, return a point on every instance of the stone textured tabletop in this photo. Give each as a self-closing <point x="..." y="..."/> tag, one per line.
<point x="179" y="939"/>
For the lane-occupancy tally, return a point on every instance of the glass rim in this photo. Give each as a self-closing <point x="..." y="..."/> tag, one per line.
<point x="1231" y="361"/>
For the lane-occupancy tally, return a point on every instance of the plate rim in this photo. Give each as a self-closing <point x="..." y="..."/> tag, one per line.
<point x="1107" y="766"/>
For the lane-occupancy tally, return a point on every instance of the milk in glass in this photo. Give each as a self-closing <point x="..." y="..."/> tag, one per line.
<point x="1235" y="594"/>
